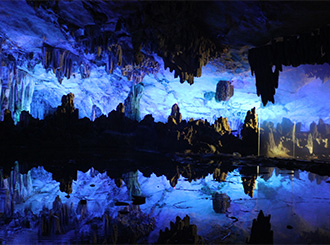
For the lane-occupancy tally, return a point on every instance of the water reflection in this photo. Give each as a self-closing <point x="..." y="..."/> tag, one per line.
<point x="222" y="205"/>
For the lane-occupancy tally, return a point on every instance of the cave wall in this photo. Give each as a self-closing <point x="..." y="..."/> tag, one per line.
<point x="49" y="49"/>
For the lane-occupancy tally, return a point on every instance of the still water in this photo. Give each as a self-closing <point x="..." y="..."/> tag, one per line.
<point x="298" y="202"/>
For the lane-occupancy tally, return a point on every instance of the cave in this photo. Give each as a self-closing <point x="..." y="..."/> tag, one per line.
<point x="173" y="122"/>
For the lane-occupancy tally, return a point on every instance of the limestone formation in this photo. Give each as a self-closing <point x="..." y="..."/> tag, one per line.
<point x="221" y="202"/>
<point x="175" y="116"/>
<point x="268" y="145"/>
<point x="261" y="232"/>
<point x="66" y="112"/>
<point x="286" y="127"/>
<point x="323" y="128"/>
<point x="180" y="232"/>
<point x="219" y="175"/>
<point x="82" y="209"/>
<point x="132" y="183"/>
<point x="249" y="184"/>
<point x="15" y="189"/>
<point x="266" y="61"/>
<point x="62" y="62"/>
<point x="224" y="91"/>
<point x="221" y="126"/>
<point x="249" y="132"/>
<point x="132" y="102"/>
<point x="57" y="220"/>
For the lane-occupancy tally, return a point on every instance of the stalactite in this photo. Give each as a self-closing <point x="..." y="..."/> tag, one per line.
<point x="61" y="62"/>
<point x="136" y="73"/>
<point x="266" y="62"/>
<point x="115" y="57"/>
<point x="16" y="91"/>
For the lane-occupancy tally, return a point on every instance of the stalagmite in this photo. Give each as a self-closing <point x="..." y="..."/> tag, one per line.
<point x="261" y="232"/>
<point x="132" y="102"/>
<point x="180" y="232"/>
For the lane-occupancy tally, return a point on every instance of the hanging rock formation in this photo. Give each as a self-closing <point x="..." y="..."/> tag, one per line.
<point x="266" y="62"/>
<point x="17" y="86"/>
<point x="184" y="48"/>
<point x="224" y="91"/>
<point x="63" y="63"/>
<point x="219" y="175"/>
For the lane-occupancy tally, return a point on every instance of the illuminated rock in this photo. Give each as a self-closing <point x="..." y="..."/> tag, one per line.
<point x="132" y="183"/>
<point x="249" y="132"/>
<point x="224" y="91"/>
<point x="267" y="139"/>
<point x="221" y="202"/>
<point x="57" y="220"/>
<point x="66" y="112"/>
<point x="323" y="128"/>
<point x="219" y="175"/>
<point x="249" y="184"/>
<point x="221" y="126"/>
<point x="132" y="102"/>
<point x="175" y="114"/>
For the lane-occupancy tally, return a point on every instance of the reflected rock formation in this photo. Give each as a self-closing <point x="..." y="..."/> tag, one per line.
<point x="102" y="140"/>
<point x="180" y="232"/>
<point x="261" y="232"/>
<point x="249" y="177"/>
<point x="221" y="202"/>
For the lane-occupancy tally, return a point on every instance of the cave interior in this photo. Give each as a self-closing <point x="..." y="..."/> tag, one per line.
<point x="164" y="121"/>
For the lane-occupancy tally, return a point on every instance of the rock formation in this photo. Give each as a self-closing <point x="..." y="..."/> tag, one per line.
<point x="249" y="184"/>
<point x="221" y="126"/>
<point x="132" y="183"/>
<point x="221" y="202"/>
<point x="219" y="175"/>
<point x="261" y="232"/>
<point x="132" y="102"/>
<point x="175" y="116"/>
<point x="15" y="189"/>
<point x="180" y="232"/>
<point x="288" y="140"/>
<point x="224" y="91"/>
<point x="249" y="132"/>
<point x="57" y="220"/>
<point x="304" y="48"/>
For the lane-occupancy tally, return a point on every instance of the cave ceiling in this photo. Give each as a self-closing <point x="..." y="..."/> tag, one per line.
<point x="187" y="35"/>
